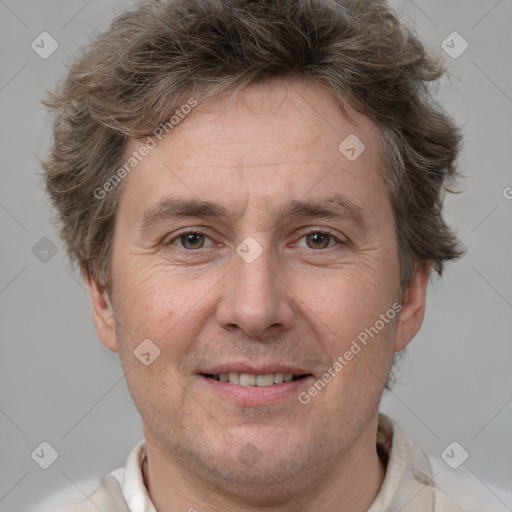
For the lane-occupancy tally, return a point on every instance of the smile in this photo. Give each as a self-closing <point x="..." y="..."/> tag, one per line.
<point x="256" y="389"/>
<point x="261" y="380"/>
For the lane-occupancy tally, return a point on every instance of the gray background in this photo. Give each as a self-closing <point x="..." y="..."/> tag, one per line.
<point x="60" y="385"/>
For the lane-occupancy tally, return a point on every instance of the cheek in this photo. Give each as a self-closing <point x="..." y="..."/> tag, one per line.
<point x="353" y="332"/>
<point x="161" y="306"/>
<point x="362" y="370"/>
<point x="348" y="302"/>
<point x="147" y="295"/>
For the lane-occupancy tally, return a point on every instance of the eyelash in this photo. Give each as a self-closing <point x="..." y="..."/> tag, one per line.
<point x="310" y="232"/>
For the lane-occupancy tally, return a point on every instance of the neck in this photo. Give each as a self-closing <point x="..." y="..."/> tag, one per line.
<point x="350" y="484"/>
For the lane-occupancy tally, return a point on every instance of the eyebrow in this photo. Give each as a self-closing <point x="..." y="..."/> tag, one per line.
<point x="333" y="207"/>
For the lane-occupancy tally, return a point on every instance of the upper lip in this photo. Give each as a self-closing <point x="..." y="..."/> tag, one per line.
<point x="263" y="369"/>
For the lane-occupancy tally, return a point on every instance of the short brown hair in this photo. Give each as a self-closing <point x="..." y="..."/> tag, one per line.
<point x="133" y="77"/>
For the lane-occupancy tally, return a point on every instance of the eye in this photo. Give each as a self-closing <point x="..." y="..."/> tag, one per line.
<point x="190" y="240"/>
<point x="316" y="239"/>
<point x="193" y="240"/>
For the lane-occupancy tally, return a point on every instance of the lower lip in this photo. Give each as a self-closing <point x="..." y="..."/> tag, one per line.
<point x="258" y="395"/>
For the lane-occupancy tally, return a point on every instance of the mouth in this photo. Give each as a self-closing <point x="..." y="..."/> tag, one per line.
<point x="257" y="380"/>
<point x="250" y="386"/>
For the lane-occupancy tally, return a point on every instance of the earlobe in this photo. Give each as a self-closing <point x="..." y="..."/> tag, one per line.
<point x="102" y="312"/>
<point x="413" y="307"/>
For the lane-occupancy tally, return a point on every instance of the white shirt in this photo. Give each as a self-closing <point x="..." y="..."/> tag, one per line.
<point x="414" y="482"/>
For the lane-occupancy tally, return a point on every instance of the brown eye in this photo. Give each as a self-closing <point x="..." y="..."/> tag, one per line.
<point x="192" y="240"/>
<point x="318" y="240"/>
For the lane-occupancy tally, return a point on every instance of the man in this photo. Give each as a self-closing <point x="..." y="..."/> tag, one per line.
<point x="252" y="191"/>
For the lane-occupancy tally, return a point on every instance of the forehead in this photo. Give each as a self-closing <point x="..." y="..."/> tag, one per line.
<point x="274" y="139"/>
<point x="303" y="116"/>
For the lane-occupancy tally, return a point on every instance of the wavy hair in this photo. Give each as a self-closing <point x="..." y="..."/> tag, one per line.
<point x="151" y="59"/>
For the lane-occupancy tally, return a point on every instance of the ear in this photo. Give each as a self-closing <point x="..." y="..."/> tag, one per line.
<point x="413" y="307"/>
<point x="102" y="312"/>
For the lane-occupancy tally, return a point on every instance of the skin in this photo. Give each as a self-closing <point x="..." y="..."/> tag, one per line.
<point x="302" y="302"/>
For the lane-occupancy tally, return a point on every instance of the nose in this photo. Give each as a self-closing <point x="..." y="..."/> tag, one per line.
<point x="256" y="298"/>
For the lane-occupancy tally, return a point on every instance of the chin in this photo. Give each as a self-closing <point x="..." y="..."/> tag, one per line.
<point x="270" y="480"/>
<point x="259" y="467"/>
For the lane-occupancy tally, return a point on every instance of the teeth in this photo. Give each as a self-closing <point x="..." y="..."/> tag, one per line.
<point x="265" y="380"/>
<point x="247" y="379"/>
<point x="234" y="378"/>
<point x="278" y="378"/>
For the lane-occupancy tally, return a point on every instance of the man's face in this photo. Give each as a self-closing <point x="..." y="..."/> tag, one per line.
<point x="251" y="292"/>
